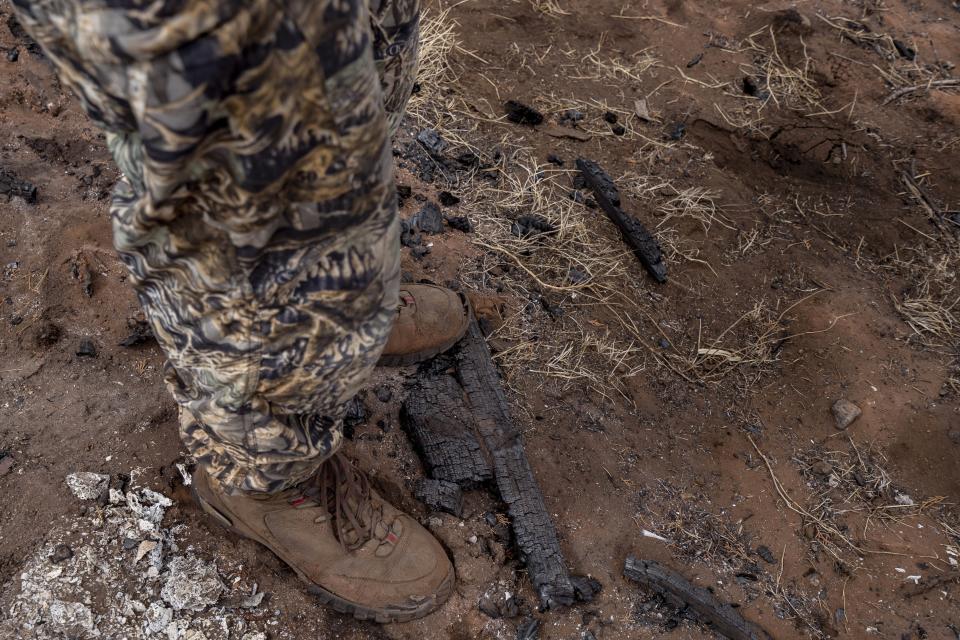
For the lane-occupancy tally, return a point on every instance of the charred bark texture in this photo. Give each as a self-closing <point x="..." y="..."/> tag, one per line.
<point x="644" y="245"/>
<point x="441" y="427"/>
<point x="679" y="592"/>
<point x="440" y="495"/>
<point x="462" y="428"/>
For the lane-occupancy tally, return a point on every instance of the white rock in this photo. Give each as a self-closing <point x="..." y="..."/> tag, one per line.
<point x="152" y="497"/>
<point x="191" y="584"/>
<point x="87" y="485"/>
<point x="255" y="635"/>
<point x="177" y="630"/>
<point x="145" y="547"/>
<point x="252" y="601"/>
<point x="904" y="499"/>
<point x="157" y="617"/>
<point x="68" y="616"/>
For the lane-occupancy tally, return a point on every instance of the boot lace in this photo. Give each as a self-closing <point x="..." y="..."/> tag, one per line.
<point x="345" y="492"/>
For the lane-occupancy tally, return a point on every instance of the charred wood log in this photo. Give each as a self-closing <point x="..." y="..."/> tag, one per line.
<point x="679" y="592"/>
<point x="644" y="245"/>
<point x="462" y="428"/>
<point x="441" y="427"/>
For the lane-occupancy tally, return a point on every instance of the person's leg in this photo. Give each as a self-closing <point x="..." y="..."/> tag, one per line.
<point x="257" y="218"/>
<point x="396" y="46"/>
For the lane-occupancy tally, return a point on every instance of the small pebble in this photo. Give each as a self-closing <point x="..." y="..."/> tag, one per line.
<point x="764" y="552"/>
<point x="845" y="413"/>
<point x="86" y="349"/>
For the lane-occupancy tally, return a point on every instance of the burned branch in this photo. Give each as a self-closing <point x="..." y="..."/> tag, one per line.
<point x="644" y="245"/>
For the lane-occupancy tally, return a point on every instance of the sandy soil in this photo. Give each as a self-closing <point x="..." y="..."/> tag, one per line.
<point x="807" y="214"/>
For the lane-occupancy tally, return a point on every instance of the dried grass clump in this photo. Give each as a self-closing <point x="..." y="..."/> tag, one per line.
<point x="856" y="481"/>
<point x="570" y="258"/>
<point x="549" y="8"/>
<point x="435" y="106"/>
<point x="604" y="68"/>
<point x="694" y="202"/>
<point x="694" y="533"/>
<point x="438" y="39"/>
<point x="571" y="263"/>
<point x="930" y="306"/>
<point x="933" y="320"/>
<point x="861" y="35"/>
<point x="598" y="359"/>
<point x="904" y="74"/>
<point x="786" y="86"/>
<point x="752" y="341"/>
<point x="750" y="346"/>
<point x="852" y="482"/>
<point x="697" y="535"/>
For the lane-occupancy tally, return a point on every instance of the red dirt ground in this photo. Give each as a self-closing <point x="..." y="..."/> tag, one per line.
<point x="836" y="228"/>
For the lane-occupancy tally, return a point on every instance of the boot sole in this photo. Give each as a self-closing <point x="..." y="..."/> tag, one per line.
<point x="331" y="600"/>
<point x="407" y="359"/>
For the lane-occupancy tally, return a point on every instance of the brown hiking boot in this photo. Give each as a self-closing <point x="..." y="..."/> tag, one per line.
<point x="356" y="552"/>
<point x="430" y="320"/>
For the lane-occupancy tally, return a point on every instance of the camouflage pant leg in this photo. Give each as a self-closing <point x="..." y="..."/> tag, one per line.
<point x="396" y="48"/>
<point x="257" y="217"/>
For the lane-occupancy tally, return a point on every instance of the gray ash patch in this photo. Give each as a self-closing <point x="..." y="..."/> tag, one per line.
<point x="126" y="576"/>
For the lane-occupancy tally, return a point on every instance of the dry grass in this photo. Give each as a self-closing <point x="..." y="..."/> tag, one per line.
<point x="573" y="266"/>
<point x="438" y="39"/>
<point x="696" y="203"/>
<point x="596" y="66"/>
<point x="677" y="247"/>
<point x="750" y="346"/>
<point x="434" y="106"/>
<point x="671" y="203"/>
<point x="853" y="481"/>
<point x="549" y="8"/>
<point x="855" y="32"/>
<point x="695" y="534"/>
<point x="932" y="319"/>
<point x="582" y="267"/>
<point x="903" y="76"/>
<point x="786" y="86"/>
<point x="752" y="341"/>
<point x="699" y="536"/>
<point x="929" y="305"/>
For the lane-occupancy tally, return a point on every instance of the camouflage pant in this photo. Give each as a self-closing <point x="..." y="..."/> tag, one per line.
<point x="257" y="215"/>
